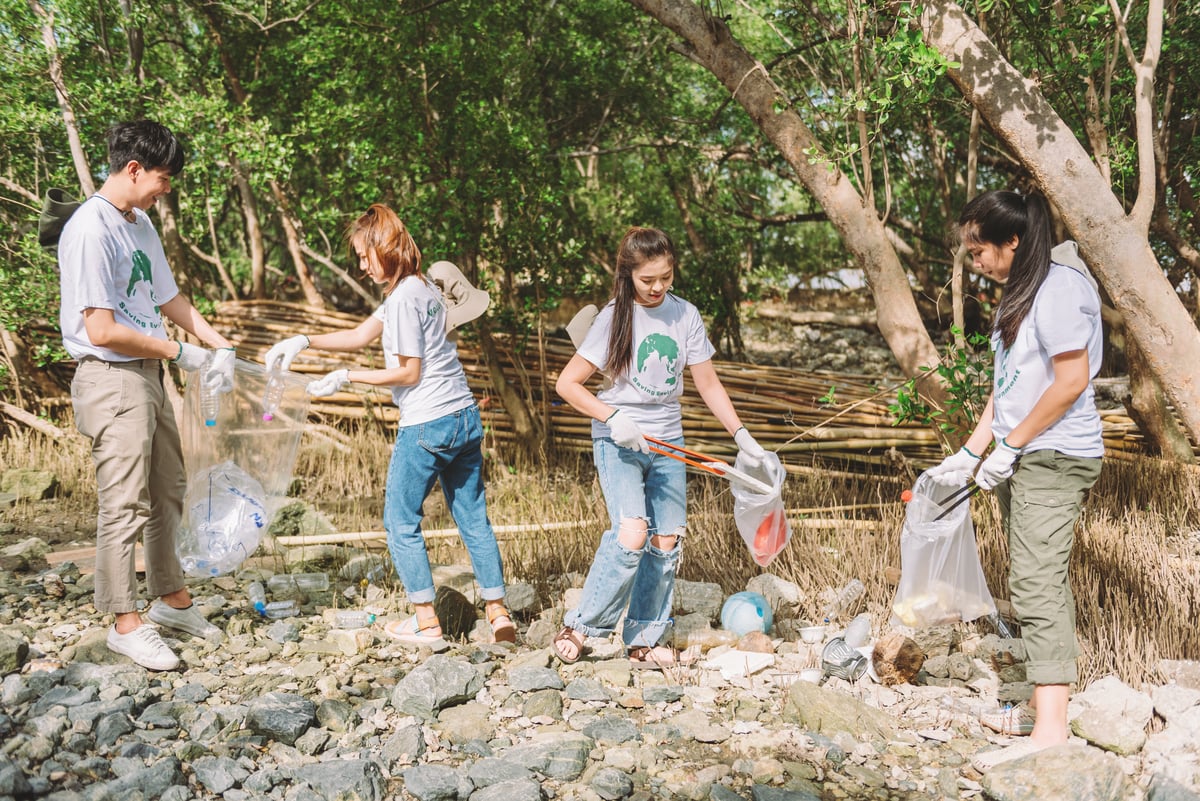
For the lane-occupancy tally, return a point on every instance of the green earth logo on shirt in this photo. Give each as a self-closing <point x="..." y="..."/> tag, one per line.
<point x="141" y="272"/>
<point x="656" y="360"/>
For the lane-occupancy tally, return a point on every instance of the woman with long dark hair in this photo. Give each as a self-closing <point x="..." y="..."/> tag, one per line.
<point x="641" y="341"/>
<point x="1048" y="342"/>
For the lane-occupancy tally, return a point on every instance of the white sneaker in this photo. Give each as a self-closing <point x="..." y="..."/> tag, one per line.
<point x="144" y="646"/>
<point x="189" y="620"/>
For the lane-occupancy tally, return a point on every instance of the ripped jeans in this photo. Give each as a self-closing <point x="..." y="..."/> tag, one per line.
<point x="638" y="488"/>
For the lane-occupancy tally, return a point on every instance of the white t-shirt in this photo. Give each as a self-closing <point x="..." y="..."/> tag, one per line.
<point x="106" y="262"/>
<point x="666" y="338"/>
<point x="414" y="325"/>
<point x="1065" y="317"/>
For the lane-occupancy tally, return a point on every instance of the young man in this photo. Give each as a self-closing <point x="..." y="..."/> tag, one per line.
<point x="116" y="288"/>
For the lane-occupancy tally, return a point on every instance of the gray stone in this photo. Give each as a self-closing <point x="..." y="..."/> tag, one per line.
<point x="63" y="696"/>
<point x="1111" y="715"/>
<point x="284" y="631"/>
<point x="218" y="773"/>
<point x="1184" y="672"/>
<point x="147" y="782"/>
<point x="661" y="694"/>
<point x="12" y="779"/>
<point x="456" y="612"/>
<point x="611" y="730"/>
<point x="544" y="703"/>
<point x="335" y="714"/>
<point x="1164" y="788"/>
<point x="520" y="597"/>
<point x="90" y="713"/>
<point x="557" y="755"/>
<point x="762" y="792"/>
<point x="263" y="780"/>
<point x="440" y="682"/>
<point x="1171" y="700"/>
<point x="111" y="728"/>
<point x="521" y="790"/>
<point x="584" y="689"/>
<point x="1064" y="771"/>
<point x="313" y="741"/>
<point x="829" y="712"/>
<point x="127" y="677"/>
<point x="698" y="597"/>
<point x="722" y="793"/>
<point x="611" y="784"/>
<point x="280" y="716"/>
<point x="530" y="678"/>
<point x="344" y="780"/>
<point x="471" y="720"/>
<point x="13" y="653"/>
<point x="432" y="782"/>
<point x="192" y="693"/>
<point x="784" y="596"/>
<point x="490" y="771"/>
<point x="405" y="746"/>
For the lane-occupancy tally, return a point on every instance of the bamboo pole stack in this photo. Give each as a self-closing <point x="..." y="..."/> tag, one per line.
<point x="808" y="418"/>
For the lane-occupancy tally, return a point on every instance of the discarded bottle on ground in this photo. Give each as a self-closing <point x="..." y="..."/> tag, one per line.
<point x="280" y="609"/>
<point x="845" y="600"/>
<point x="352" y="619"/>
<point x="858" y="633"/>
<point x="273" y="394"/>
<point x="257" y="596"/>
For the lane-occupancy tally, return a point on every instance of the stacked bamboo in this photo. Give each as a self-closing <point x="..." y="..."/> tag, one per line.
<point x="808" y="418"/>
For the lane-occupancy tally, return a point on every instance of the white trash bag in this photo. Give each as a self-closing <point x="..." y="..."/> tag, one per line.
<point x="941" y="578"/>
<point x="225" y="521"/>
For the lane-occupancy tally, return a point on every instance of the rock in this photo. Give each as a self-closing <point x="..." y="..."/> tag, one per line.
<point x="830" y="713"/>
<point x="611" y="784"/>
<point x="460" y="724"/>
<point x="1164" y="788"/>
<point x="557" y="755"/>
<point x="1184" y="672"/>
<point x="543" y="703"/>
<point x="528" y="679"/>
<point x="218" y="774"/>
<point x="897" y="659"/>
<point x="28" y="484"/>
<point x="698" y="597"/>
<point x="784" y="597"/>
<point x="13" y="652"/>
<point x="281" y="716"/>
<point x="487" y="772"/>
<point x="344" y="780"/>
<point x="1173" y="700"/>
<point x="432" y="782"/>
<point x="520" y="790"/>
<point x="1064" y="771"/>
<point x="405" y="746"/>
<point x="455" y="612"/>
<point x="440" y="682"/>
<point x="1111" y="715"/>
<point x="521" y="598"/>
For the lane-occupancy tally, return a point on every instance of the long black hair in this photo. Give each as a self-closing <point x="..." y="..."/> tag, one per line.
<point x="638" y="246"/>
<point x="995" y="218"/>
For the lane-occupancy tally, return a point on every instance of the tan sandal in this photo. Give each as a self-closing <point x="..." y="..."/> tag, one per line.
<point x="505" y="630"/>
<point x="572" y="636"/>
<point x="658" y="657"/>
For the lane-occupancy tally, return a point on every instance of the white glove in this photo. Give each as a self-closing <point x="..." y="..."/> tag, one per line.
<point x="625" y="432"/>
<point x="998" y="466"/>
<point x="191" y="357"/>
<point x="218" y="375"/>
<point x="331" y="383"/>
<point x="752" y="454"/>
<point x="287" y="350"/>
<point x="955" y="470"/>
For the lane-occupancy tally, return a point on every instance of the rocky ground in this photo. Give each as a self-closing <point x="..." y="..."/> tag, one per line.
<point x="296" y="709"/>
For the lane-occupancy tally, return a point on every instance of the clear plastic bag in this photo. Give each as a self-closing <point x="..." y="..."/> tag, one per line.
<point x="941" y="578"/>
<point x="224" y="522"/>
<point x="760" y="516"/>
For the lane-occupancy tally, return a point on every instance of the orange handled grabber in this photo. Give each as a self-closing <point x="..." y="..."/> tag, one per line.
<point x="710" y="464"/>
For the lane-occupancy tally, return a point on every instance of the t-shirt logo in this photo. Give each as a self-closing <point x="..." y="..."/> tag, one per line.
<point x="657" y="357"/>
<point x="141" y="272"/>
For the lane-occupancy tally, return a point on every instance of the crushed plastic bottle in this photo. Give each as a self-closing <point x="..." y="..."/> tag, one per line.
<point x="257" y="596"/>
<point x="273" y="394"/>
<point x="352" y="619"/>
<point x="281" y="609"/>
<point x="846" y="599"/>
<point x="298" y="582"/>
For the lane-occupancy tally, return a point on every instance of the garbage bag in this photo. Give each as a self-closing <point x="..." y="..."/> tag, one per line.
<point x="225" y="520"/>
<point x="760" y="516"/>
<point x="941" y="578"/>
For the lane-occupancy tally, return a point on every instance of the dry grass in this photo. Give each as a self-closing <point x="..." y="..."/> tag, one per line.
<point x="1136" y="569"/>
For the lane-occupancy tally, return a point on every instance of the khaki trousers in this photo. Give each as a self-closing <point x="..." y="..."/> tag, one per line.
<point x="123" y="408"/>
<point x="1040" y="504"/>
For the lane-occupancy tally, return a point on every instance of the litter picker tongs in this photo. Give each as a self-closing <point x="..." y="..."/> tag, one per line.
<point x="956" y="498"/>
<point x="710" y="464"/>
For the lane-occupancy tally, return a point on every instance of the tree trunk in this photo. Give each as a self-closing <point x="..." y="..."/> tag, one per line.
<point x="712" y="45"/>
<point x="1109" y="241"/>
<point x="173" y="244"/>
<point x="258" y="262"/>
<point x="1149" y="409"/>
<point x="86" y="185"/>
<point x="526" y="434"/>
<point x="295" y="247"/>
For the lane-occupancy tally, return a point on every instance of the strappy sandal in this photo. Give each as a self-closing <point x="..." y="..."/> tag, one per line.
<point x="410" y="631"/>
<point x="657" y="657"/>
<point x="572" y="636"/>
<point x="505" y="630"/>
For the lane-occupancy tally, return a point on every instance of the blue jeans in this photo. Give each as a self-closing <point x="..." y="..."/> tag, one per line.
<point x="648" y="487"/>
<point x="447" y="448"/>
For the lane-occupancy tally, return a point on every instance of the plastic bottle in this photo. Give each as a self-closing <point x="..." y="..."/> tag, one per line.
<point x="858" y="633"/>
<point x="845" y="599"/>
<point x="706" y="639"/>
<point x="210" y="401"/>
<point x="257" y="596"/>
<point x="280" y="609"/>
<point x="352" y="619"/>
<point x="273" y="394"/>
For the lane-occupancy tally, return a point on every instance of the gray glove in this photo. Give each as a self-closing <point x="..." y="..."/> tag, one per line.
<point x="287" y="350"/>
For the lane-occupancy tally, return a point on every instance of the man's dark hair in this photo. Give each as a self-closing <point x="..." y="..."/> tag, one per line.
<point x="149" y="143"/>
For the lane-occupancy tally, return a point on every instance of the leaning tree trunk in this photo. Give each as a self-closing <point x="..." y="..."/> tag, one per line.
<point x="711" y="44"/>
<point x="78" y="156"/>
<point x="1110" y="241"/>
